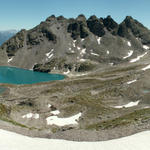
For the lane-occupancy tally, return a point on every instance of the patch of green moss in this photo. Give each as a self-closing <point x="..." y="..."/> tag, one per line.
<point x="119" y="70"/>
<point x="13" y="122"/>
<point x="85" y="102"/>
<point x="134" y="117"/>
<point x="4" y="111"/>
<point x="4" y="116"/>
<point x="52" y="90"/>
<point x="55" y="129"/>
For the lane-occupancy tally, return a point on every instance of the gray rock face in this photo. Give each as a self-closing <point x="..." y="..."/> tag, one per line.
<point x="96" y="26"/>
<point x="74" y="43"/>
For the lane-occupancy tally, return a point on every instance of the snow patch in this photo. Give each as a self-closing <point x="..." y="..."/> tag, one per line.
<point x="78" y="48"/>
<point x="130" y="82"/>
<point x="95" y="54"/>
<point x="74" y="41"/>
<point x="131" y="104"/>
<point x="99" y="40"/>
<point x="54" y="120"/>
<point x="146" y="47"/>
<point x="107" y="52"/>
<point x="49" y="105"/>
<point x="50" y="54"/>
<point x="129" y="43"/>
<point x="111" y="64"/>
<point x="146" y="68"/>
<point x="31" y="115"/>
<point x="74" y="45"/>
<point x="129" y="54"/>
<point x="10" y="59"/>
<point x="72" y="51"/>
<point x="83" y="51"/>
<point x="82" y="40"/>
<point x="55" y="112"/>
<point x="138" y="57"/>
<point x="67" y="72"/>
<point x="82" y="60"/>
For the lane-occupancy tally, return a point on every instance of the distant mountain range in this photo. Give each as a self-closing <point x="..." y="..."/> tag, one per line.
<point x="5" y="35"/>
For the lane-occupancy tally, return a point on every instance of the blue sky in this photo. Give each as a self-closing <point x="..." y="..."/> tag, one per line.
<point x="19" y="14"/>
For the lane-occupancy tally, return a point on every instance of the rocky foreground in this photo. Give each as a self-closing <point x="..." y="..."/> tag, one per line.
<point x="101" y="105"/>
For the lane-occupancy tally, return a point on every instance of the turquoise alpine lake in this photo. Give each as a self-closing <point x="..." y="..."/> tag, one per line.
<point x="13" y="75"/>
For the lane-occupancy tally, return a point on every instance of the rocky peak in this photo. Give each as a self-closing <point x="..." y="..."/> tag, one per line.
<point x="78" y="27"/>
<point x="96" y="26"/>
<point x="51" y="18"/>
<point x="81" y="18"/>
<point x="130" y="22"/>
<point x="110" y="24"/>
<point x="132" y="26"/>
<point x="61" y="18"/>
<point x="129" y="18"/>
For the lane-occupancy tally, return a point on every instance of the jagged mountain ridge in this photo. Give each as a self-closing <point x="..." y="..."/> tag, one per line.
<point x="75" y="44"/>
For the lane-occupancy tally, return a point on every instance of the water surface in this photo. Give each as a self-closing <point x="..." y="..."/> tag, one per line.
<point x="14" y="75"/>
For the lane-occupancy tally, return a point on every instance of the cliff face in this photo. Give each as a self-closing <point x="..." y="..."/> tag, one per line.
<point x="75" y="44"/>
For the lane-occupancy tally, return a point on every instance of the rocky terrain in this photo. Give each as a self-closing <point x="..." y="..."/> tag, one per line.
<point x="77" y="45"/>
<point x="105" y="93"/>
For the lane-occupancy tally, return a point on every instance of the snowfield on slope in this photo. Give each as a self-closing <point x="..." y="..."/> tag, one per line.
<point x="54" y="120"/>
<point x="13" y="141"/>
<point x="10" y="59"/>
<point x="129" y="43"/>
<point x="130" y="82"/>
<point x="31" y="115"/>
<point x="99" y="40"/>
<point x="129" y="54"/>
<point x="138" y="57"/>
<point x="146" y="47"/>
<point x="131" y="104"/>
<point x="146" y="68"/>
